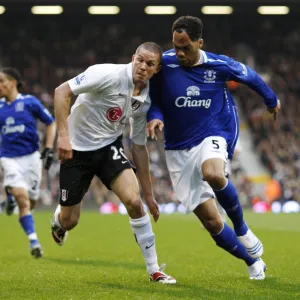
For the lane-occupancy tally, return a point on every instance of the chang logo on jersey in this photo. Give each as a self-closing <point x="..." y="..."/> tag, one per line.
<point x="189" y="102"/>
<point x="209" y="76"/>
<point x="11" y="128"/>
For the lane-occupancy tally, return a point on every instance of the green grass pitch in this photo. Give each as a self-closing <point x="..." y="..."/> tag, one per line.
<point x="102" y="261"/>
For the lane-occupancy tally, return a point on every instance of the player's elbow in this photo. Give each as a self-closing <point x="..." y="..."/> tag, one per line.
<point x="63" y="91"/>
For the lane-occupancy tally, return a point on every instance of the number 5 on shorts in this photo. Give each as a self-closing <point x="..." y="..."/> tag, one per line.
<point x="216" y="144"/>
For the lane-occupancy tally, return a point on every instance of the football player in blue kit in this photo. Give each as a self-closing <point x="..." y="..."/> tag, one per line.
<point x="19" y="152"/>
<point x="191" y="101"/>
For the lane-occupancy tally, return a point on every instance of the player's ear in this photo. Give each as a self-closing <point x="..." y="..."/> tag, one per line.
<point x="133" y="56"/>
<point x="158" y="69"/>
<point x="201" y="42"/>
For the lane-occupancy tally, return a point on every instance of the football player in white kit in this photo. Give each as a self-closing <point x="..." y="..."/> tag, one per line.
<point x="90" y="143"/>
<point x="20" y="158"/>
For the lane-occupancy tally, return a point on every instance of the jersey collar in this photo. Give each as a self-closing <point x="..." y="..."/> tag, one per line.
<point x="202" y="59"/>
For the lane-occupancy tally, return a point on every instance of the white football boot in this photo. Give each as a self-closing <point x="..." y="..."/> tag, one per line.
<point x="160" y="276"/>
<point x="257" y="270"/>
<point x="252" y="244"/>
<point x="59" y="234"/>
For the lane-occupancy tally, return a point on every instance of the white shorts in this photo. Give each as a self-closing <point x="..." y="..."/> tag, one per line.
<point x="24" y="172"/>
<point x="185" y="168"/>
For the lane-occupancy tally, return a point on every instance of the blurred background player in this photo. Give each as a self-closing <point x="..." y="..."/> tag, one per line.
<point x="20" y="157"/>
<point x="208" y="140"/>
<point x="90" y="143"/>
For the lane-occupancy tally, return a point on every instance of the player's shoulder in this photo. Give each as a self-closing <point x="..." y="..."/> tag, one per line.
<point x="217" y="60"/>
<point x="169" y="58"/>
<point x="106" y="68"/>
<point x="2" y="102"/>
<point x="111" y="72"/>
<point x="27" y="98"/>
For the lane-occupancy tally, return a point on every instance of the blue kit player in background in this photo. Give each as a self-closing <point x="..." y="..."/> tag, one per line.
<point x="191" y="102"/>
<point x="19" y="153"/>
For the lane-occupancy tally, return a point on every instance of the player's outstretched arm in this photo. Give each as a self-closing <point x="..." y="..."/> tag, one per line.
<point x="242" y="73"/>
<point x="275" y="110"/>
<point x="141" y="160"/>
<point x="62" y="100"/>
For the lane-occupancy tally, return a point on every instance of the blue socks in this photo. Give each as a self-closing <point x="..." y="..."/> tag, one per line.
<point x="228" y="240"/>
<point x="27" y="224"/>
<point x="229" y="200"/>
<point x="10" y="197"/>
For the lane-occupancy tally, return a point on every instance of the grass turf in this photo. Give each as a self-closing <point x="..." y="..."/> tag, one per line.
<point x="102" y="261"/>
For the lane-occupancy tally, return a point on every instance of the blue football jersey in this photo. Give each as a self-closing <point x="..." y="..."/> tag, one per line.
<point x="19" y="134"/>
<point x="195" y="103"/>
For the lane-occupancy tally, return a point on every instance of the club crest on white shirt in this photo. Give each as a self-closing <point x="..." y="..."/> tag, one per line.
<point x="135" y="105"/>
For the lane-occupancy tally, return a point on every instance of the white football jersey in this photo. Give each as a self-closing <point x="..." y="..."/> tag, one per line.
<point x="105" y="102"/>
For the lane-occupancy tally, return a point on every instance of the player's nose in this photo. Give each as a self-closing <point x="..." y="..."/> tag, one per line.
<point x="180" y="54"/>
<point x="143" y="66"/>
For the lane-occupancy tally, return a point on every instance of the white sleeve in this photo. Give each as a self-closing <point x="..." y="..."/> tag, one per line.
<point x="138" y="129"/>
<point x="94" y="79"/>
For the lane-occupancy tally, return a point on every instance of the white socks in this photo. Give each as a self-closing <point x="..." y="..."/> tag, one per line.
<point x="55" y="216"/>
<point x="145" y="237"/>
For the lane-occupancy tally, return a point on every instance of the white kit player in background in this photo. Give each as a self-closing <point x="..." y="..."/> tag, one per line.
<point x="90" y="143"/>
<point x="19" y="153"/>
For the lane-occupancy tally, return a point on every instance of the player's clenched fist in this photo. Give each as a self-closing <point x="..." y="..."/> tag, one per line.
<point x="64" y="148"/>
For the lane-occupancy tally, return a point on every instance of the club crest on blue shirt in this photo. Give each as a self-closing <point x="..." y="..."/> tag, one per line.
<point x="19" y="106"/>
<point x="209" y="76"/>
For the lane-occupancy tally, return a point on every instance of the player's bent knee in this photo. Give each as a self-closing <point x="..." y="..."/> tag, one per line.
<point x="215" y="180"/>
<point x="134" y="207"/>
<point x="213" y="226"/>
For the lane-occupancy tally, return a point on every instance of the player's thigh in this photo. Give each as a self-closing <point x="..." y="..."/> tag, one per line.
<point x="112" y="164"/>
<point x="74" y="178"/>
<point x="33" y="175"/>
<point x="12" y="173"/>
<point x="212" y="154"/>
<point x="126" y="187"/>
<point x="188" y="184"/>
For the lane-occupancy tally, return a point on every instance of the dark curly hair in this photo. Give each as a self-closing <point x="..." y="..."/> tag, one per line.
<point x="193" y="26"/>
<point x="14" y="74"/>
